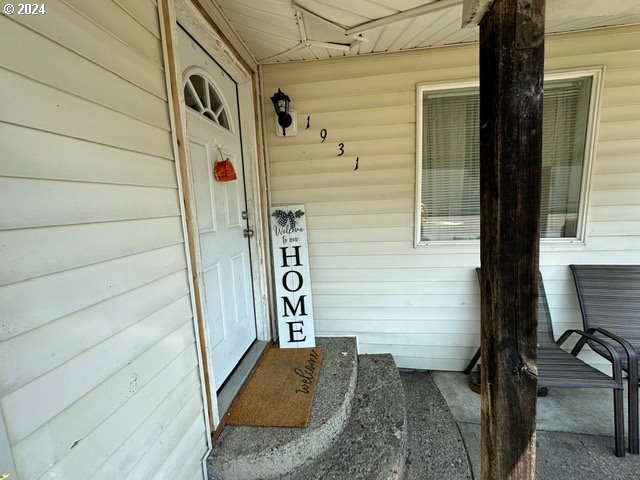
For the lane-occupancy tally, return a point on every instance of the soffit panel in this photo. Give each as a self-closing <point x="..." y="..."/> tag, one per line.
<point x="270" y="27"/>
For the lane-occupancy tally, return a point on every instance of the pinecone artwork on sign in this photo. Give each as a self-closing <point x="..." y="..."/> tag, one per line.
<point x="287" y="218"/>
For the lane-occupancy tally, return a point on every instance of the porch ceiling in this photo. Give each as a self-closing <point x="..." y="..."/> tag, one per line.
<point x="294" y="30"/>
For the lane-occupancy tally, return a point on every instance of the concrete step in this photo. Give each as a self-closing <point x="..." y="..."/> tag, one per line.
<point x="257" y="453"/>
<point x="373" y="446"/>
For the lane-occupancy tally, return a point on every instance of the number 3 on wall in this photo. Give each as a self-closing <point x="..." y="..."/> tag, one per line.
<point x="341" y="147"/>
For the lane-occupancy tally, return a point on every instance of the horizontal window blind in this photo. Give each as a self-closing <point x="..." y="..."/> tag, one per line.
<point x="451" y="166"/>
<point x="450" y="195"/>
<point x="564" y="132"/>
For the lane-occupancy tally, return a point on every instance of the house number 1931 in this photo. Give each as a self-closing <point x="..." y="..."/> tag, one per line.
<point x="323" y="136"/>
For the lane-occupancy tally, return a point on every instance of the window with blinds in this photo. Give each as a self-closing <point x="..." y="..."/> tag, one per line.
<point x="450" y="173"/>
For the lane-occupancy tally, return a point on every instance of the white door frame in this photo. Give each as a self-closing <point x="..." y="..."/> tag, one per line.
<point x="185" y="13"/>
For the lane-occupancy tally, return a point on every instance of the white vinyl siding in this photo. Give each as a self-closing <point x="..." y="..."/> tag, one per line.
<point x="422" y="304"/>
<point x="99" y="373"/>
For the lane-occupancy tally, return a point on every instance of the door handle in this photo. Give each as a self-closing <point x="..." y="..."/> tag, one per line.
<point x="247" y="233"/>
<point x="245" y="216"/>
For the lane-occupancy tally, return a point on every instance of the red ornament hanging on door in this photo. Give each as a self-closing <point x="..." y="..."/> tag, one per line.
<point x="223" y="171"/>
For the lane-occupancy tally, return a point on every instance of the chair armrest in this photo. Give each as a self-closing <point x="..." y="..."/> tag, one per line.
<point x="632" y="355"/>
<point x="613" y="353"/>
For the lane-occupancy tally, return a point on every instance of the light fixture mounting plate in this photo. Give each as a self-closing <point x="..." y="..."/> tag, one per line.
<point x="291" y="130"/>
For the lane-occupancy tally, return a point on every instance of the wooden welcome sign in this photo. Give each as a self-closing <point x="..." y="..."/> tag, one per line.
<point x="292" y="278"/>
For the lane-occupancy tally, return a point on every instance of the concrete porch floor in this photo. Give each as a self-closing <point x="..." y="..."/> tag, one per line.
<point x="575" y="432"/>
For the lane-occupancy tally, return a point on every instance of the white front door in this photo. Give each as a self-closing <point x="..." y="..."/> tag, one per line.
<point x="213" y="132"/>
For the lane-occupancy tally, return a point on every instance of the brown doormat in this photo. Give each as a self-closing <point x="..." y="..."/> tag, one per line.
<point x="280" y="391"/>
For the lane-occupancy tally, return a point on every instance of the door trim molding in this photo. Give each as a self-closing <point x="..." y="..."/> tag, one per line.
<point x="176" y="116"/>
<point x="183" y="12"/>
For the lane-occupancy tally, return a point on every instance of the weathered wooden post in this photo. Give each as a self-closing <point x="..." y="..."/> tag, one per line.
<point x="511" y="77"/>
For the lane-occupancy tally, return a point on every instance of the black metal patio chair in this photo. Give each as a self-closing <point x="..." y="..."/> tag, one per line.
<point x="558" y="368"/>
<point x="609" y="297"/>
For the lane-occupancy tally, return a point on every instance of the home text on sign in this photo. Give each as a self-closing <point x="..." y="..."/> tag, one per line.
<point x="292" y="278"/>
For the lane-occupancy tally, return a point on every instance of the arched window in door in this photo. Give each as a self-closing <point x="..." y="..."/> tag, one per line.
<point x="201" y="95"/>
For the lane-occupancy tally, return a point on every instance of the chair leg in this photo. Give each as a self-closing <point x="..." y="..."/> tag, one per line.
<point x="472" y="362"/>
<point x="618" y="414"/>
<point x="634" y="444"/>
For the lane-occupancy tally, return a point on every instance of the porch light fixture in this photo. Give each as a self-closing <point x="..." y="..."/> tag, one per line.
<point x="281" y="103"/>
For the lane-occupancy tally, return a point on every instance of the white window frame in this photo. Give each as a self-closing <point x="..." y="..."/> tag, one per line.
<point x="597" y="74"/>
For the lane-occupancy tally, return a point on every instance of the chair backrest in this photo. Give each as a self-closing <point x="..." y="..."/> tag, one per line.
<point x="609" y="297"/>
<point x="545" y="327"/>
